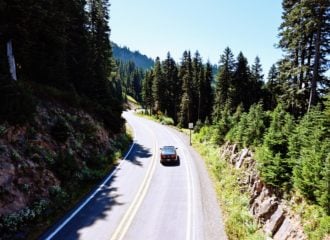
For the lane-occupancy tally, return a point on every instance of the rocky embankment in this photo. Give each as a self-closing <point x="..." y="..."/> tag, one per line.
<point x="44" y="162"/>
<point x="274" y="215"/>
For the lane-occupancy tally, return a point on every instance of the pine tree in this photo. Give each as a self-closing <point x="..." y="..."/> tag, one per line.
<point x="186" y="76"/>
<point x="256" y="82"/>
<point x="173" y="87"/>
<point x="272" y="88"/>
<point x="207" y="93"/>
<point x="309" y="152"/>
<point x="241" y="88"/>
<point x="273" y="162"/>
<point x="147" y="95"/>
<point x="305" y="39"/>
<point x="157" y="87"/>
<point x="197" y="81"/>
<point x="223" y="83"/>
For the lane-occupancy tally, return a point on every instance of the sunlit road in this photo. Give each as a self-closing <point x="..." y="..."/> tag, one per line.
<point x="143" y="199"/>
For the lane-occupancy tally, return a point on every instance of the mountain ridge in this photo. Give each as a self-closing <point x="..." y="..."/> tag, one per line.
<point x="126" y="55"/>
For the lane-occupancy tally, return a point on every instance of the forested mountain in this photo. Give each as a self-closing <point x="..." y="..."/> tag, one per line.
<point x="60" y="44"/>
<point x="286" y="119"/>
<point x="63" y="83"/>
<point x="60" y="109"/>
<point x="124" y="54"/>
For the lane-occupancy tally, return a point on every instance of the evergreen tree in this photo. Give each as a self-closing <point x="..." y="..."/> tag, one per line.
<point x="67" y="46"/>
<point x="158" y="87"/>
<point x="185" y="73"/>
<point x="272" y="88"/>
<point x="197" y="81"/>
<point x="305" y="39"/>
<point x="147" y="95"/>
<point x="241" y="87"/>
<point x="207" y="93"/>
<point x="249" y="130"/>
<point x="173" y="87"/>
<point x="273" y="162"/>
<point x="223" y="83"/>
<point x="309" y="152"/>
<point x="257" y="82"/>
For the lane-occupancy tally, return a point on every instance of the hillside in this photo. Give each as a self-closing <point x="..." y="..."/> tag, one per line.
<point x="125" y="54"/>
<point x="49" y="163"/>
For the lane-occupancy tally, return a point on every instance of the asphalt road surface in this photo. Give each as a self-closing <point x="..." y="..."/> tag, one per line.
<point x="144" y="200"/>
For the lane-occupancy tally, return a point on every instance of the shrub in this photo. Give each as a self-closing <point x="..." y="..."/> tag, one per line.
<point x="249" y="130"/>
<point x="273" y="162"/>
<point x="166" y="120"/>
<point x="310" y="154"/>
<point x="17" y="104"/>
<point x="60" y="131"/>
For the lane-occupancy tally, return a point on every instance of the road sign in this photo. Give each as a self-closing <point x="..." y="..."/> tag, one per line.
<point x="191" y="125"/>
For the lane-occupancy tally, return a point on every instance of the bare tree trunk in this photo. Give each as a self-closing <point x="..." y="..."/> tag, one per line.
<point x="11" y="60"/>
<point x="316" y="67"/>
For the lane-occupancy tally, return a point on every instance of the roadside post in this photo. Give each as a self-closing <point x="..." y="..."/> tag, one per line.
<point x="190" y="126"/>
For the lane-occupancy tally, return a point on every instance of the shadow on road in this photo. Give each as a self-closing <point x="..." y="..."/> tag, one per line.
<point x="100" y="206"/>
<point x="139" y="153"/>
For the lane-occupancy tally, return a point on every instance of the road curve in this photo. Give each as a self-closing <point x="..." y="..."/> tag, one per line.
<point x="143" y="199"/>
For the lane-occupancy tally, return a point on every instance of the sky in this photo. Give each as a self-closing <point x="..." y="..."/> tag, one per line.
<point x="156" y="27"/>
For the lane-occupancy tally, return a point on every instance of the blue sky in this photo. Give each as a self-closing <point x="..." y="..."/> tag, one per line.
<point x="155" y="27"/>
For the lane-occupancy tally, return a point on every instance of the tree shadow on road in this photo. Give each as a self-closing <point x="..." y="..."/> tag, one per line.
<point x="138" y="154"/>
<point x="99" y="207"/>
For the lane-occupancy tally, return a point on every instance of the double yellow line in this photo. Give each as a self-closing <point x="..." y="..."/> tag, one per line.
<point x="127" y="219"/>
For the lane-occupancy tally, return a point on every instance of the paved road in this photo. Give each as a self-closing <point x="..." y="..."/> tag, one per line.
<point x="143" y="199"/>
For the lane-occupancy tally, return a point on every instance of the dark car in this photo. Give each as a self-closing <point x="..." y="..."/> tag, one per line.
<point x="168" y="155"/>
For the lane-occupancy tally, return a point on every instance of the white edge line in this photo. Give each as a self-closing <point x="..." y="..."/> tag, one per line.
<point x="90" y="197"/>
<point x="191" y="192"/>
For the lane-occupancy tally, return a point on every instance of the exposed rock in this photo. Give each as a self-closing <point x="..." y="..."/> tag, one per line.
<point x="264" y="205"/>
<point x="244" y="153"/>
<point x="267" y="208"/>
<point x="284" y="231"/>
<point x="272" y="225"/>
<point x="27" y="153"/>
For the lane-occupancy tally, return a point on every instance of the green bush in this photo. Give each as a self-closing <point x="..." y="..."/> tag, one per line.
<point x="310" y="154"/>
<point x="59" y="197"/>
<point x="272" y="157"/>
<point x="17" y="104"/>
<point x="15" y="222"/>
<point x="60" y="131"/>
<point x="66" y="165"/>
<point x="166" y="120"/>
<point x="250" y="128"/>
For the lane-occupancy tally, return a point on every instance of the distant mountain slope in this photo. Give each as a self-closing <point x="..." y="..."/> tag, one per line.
<point x="125" y="54"/>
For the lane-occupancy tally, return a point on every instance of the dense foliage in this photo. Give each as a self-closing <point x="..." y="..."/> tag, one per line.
<point x="63" y="44"/>
<point x="279" y="118"/>
<point x="62" y="50"/>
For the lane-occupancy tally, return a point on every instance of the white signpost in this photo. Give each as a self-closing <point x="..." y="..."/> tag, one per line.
<point x="190" y="126"/>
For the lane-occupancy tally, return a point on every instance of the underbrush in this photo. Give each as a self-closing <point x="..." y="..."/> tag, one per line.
<point x="313" y="217"/>
<point x="239" y="223"/>
<point x="235" y="203"/>
<point x="159" y="118"/>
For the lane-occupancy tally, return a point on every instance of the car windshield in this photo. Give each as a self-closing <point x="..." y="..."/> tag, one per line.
<point x="168" y="150"/>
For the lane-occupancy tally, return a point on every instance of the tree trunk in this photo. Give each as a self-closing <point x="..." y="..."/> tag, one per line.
<point x="316" y="67"/>
<point x="11" y="60"/>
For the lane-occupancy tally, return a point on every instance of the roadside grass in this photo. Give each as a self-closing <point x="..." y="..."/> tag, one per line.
<point x="132" y="100"/>
<point x="158" y="118"/>
<point x="239" y="223"/>
<point x="314" y="219"/>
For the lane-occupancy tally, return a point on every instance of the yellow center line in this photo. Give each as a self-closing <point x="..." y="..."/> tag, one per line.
<point x="127" y="219"/>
